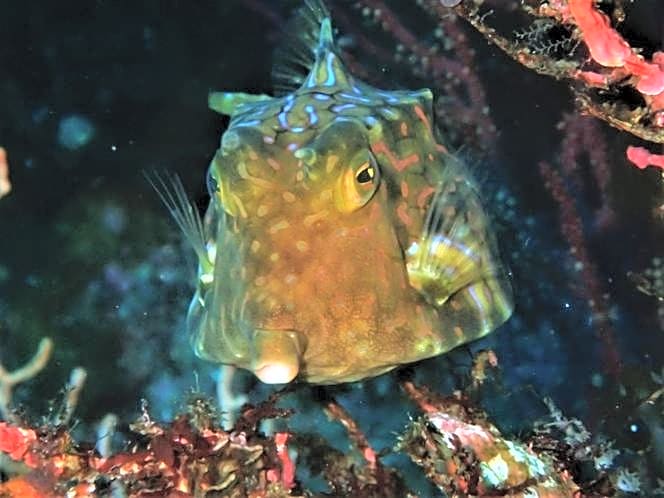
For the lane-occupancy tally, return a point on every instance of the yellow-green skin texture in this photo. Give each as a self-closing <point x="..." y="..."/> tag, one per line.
<point x="343" y="240"/>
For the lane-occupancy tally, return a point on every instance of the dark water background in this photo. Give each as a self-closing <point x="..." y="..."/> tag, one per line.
<point x="93" y="93"/>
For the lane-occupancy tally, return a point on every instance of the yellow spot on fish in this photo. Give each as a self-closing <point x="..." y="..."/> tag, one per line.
<point x="302" y="246"/>
<point x="404" y="129"/>
<point x="425" y="345"/>
<point x="331" y="163"/>
<point x="260" y="281"/>
<point x="242" y="170"/>
<point x="262" y="210"/>
<point x="290" y="279"/>
<point x="326" y="195"/>
<point x="239" y="205"/>
<point x="255" y="246"/>
<point x="299" y="176"/>
<point x="244" y="173"/>
<point x="458" y="332"/>
<point x="280" y="225"/>
<point x="289" y="197"/>
<point x="274" y="256"/>
<point x="274" y="164"/>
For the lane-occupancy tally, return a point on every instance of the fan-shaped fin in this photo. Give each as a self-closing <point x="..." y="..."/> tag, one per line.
<point x="170" y="190"/>
<point x="456" y="248"/>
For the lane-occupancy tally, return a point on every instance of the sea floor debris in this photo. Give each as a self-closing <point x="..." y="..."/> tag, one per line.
<point x="461" y="452"/>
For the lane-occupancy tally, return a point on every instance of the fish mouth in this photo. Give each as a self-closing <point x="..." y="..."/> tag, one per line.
<point x="278" y="355"/>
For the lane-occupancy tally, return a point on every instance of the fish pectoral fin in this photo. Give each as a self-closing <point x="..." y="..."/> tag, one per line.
<point x="456" y="253"/>
<point x="475" y="310"/>
<point x="438" y="269"/>
<point x="170" y="190"/>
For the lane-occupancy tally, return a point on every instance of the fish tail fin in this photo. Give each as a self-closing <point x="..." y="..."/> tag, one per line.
<point x="170" y="190"/>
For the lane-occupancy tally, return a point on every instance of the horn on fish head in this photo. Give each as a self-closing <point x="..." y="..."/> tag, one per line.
<point x="328" y="70"/>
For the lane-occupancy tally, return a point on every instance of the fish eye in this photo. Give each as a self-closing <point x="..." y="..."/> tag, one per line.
<point x="366" y="173"/>
<point x="358" y="183"/>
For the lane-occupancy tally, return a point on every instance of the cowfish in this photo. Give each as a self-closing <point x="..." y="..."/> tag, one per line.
<point x="342" y="239"/>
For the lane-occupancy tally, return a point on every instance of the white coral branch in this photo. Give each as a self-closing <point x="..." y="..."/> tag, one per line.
<point x="8" y="380"/>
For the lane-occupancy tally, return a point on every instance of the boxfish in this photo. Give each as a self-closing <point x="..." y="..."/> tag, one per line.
<point x="342" y="238"/>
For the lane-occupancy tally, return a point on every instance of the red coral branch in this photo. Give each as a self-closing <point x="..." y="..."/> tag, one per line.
<point x="642" y="157"/>
<point x="287" y="476"/>
<point x="612" y="63"/>
<point x="609" y="49"/>
<point x="16" y="441"/>
<point x="592" y="291"/>
<point x="336" y="411"/>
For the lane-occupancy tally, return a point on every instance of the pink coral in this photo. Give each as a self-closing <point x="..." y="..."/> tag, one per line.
<point x="642" y="157"/>
<point x="609" y="49"/>
<point x="16" y="441"/>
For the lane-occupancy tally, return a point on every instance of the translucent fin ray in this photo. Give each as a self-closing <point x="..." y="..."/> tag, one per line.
<point x="170" y="190"/>
<point x="455" y="249"/>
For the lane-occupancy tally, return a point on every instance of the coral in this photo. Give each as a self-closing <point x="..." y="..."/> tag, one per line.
<point x="9" y="380"/>
<point x="460" y="450"/>
<point x="591" y="288"/>
<point x="188" y="457"/>
<point x="464" y="454"/>
<point x="611" y="67"/>
<point x="642" y="157"/>
<point x="448" y="65"/>
<point x="118" y="286"/>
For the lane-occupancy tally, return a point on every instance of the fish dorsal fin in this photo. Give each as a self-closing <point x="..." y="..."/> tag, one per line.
<point x="308" y="39"/>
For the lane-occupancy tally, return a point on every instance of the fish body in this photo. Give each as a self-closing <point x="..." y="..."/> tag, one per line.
<point x="341" y="239"/>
